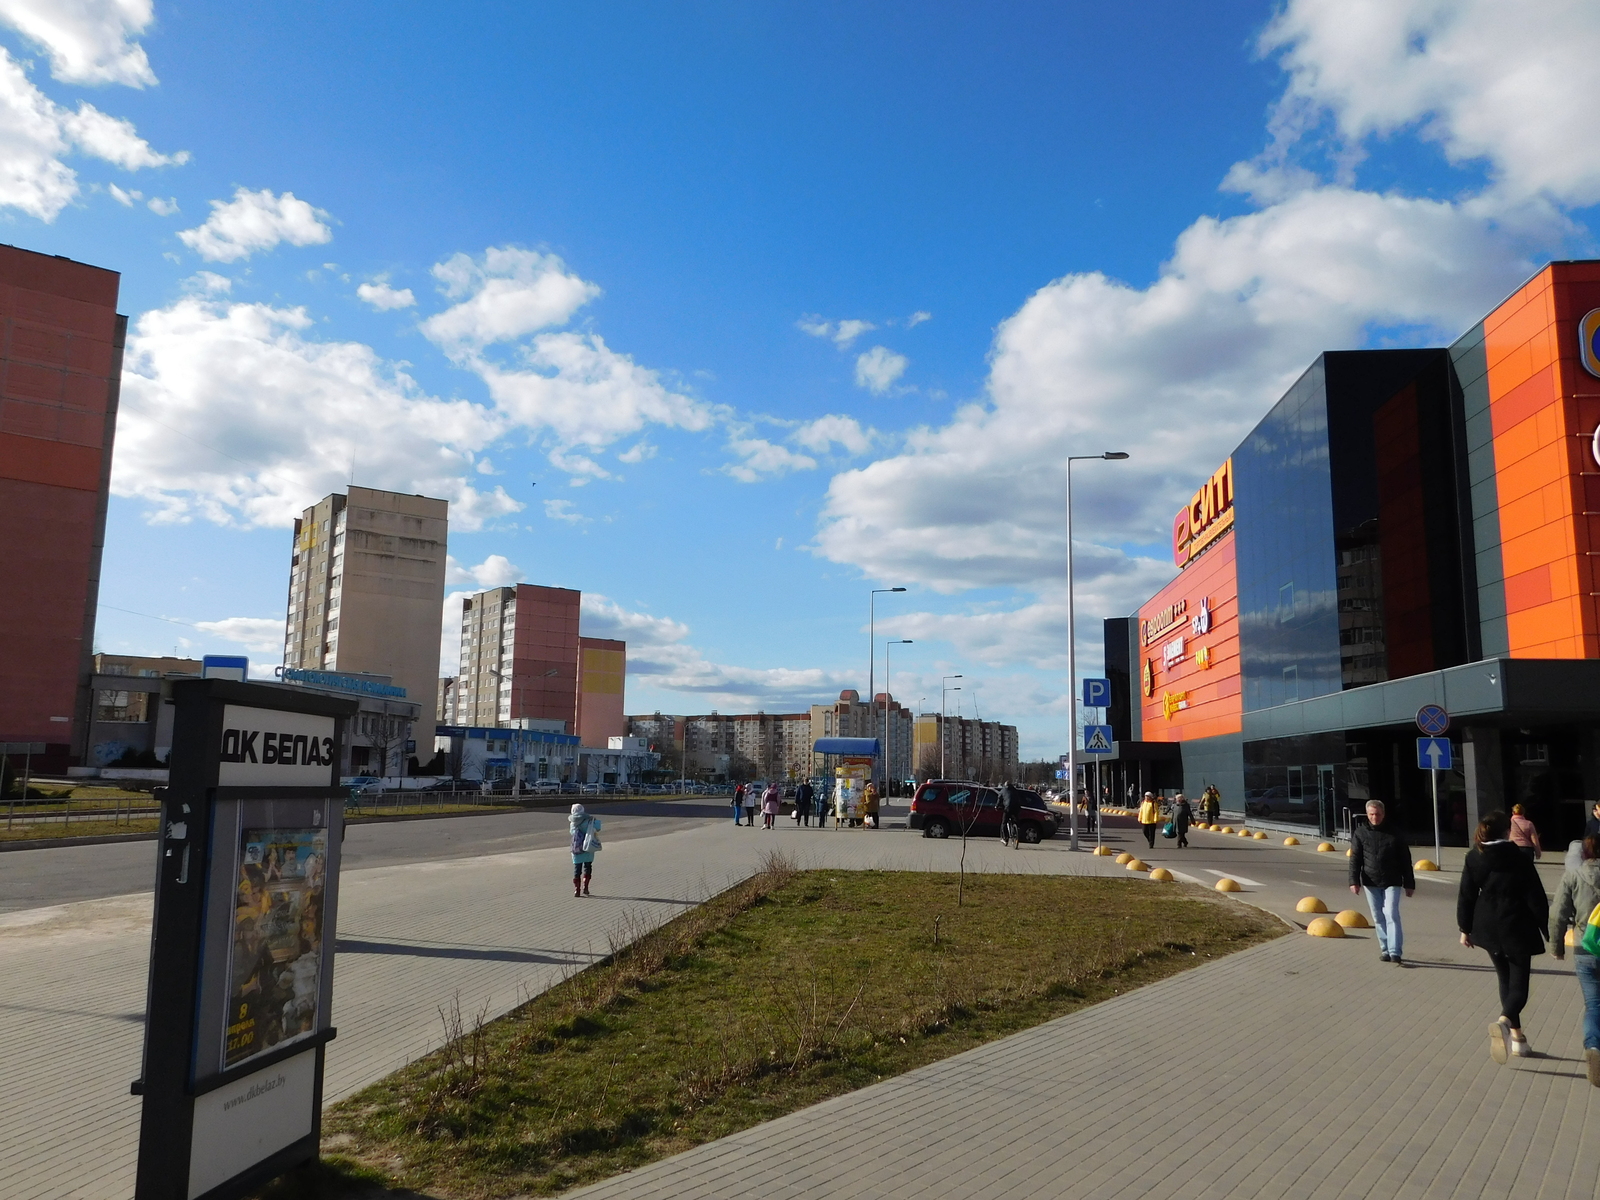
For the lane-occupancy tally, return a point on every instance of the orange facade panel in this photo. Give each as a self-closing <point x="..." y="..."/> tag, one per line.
<point x="1189" y="677"/>
<point x="1542" y="408"/>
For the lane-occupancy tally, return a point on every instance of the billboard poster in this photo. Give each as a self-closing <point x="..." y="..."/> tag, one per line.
<point x="850" y="793"/>
<point x="275" y="957"/>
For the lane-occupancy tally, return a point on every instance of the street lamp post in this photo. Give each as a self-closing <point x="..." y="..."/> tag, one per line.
<point x="872" y="648"/>
<point x="944" y="690"/>
<point x="886" y="645"/>
<point x="1072" y="653"/>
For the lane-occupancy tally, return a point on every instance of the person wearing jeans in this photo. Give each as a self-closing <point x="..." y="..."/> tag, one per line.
<point x="1380" y="864"/>
<point x="1576" y="899"/>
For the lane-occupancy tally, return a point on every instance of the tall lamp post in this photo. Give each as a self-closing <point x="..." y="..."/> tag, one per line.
<point x="872" y="648"/>
<point x="886" y="645"/>
<point x="944" y="690"/>
<point x="1072" y="651"/>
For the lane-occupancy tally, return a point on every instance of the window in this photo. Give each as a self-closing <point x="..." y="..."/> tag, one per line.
<point x="1291" y="683"/>
<point x="1285" y="603"/>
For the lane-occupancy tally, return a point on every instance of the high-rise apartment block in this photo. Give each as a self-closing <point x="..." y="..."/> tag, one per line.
<point x="60" y="374"/>
<point x="366" y="589"/>
<point x="523" y="659"/>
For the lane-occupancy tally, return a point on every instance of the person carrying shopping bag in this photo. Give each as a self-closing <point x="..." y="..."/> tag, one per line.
<point x="1576" y="901"/>
<point x="585" y="831"/>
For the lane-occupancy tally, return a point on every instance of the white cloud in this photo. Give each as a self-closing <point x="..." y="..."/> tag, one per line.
<point x="761" y="458"/>
<point x="233" y="413"/>
<point x="563" y="510"/>
<point x="258" y="635"/>
<point x="36" y="134"/>
<point x="209" y="281"/>
<point x="569" y="386"/>
<point x="383" y="297"/>
<point x="254" y="221"/>
<point x="1513" y="85"/>
<point x="509" y="294"/>
<point x="1178" y="371"/>
<point x="113" y="139"/>
<point x="123" y="198"/>
<point x="163" y="208"/>
<point x="660" y="653"/>
<point x="841" y="333"/>
<point x="88" y="41"/>
<point x="495" y="571"/>
<point x="918" y="317"/>
<point x="832" y="430"/>
<point x="879" y="368"/>
<point x="637" y="453"/>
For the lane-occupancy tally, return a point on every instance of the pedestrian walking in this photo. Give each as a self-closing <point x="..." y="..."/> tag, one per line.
<point x="749" y="801"/>
<point x="1576" y="899"/>
<point x="1380" y="863"/>
<point x="802" y="802"/>
<point x="1211" y="804"/>
<point x="1524" y="833"/>
<point x="1502" y="909"/>
<point x="1011" y="822"/>
<point x="771" y="805"/>
<point x="1150" y="818"/>
<point x="738" y="802"/>
<point x="1182" y="816"/>
<point x="585" y="831"/>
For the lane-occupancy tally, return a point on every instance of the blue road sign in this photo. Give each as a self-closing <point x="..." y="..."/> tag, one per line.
<point x="1433" y="754"/>
<point x="1097" y="693"/>
<point x="1061" y="774"/>
<point x="1097" y="739"/>
<point x="1432" y="720"/>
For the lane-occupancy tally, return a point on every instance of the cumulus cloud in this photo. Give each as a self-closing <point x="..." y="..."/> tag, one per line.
<point x="258" y="635"/>
<point x="495" y="571"/>
<point x="569" y="386"/>
<point x="834" y="430"/>
<point x="234" y="413"/>
<point x="879" y="368"/>
<point x="564" y="510"/>
<point x="759" y="459"/>
<point x="918" y="317"/>
<point x="123" y="198"/>
<point x="163" y="208"/>
<point x="1176" y="372"/>
<point x="383" y="297"/>
<point x="36" y="134"/>
<point x="660" y="653"/>
<point x="840" y="333"/>
<point x="88" y="41"/>
<point x="256" y="221"/>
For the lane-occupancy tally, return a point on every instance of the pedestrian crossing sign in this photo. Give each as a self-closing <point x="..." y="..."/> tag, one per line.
<point x="1097" y="739"/>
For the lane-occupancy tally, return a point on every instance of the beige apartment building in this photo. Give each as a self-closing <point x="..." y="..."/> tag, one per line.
<point x="983" y="751"/>
<point x="850" y="716"/>
<point x="366" y="588"/>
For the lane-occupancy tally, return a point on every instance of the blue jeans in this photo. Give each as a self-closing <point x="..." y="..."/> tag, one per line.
<point x="1587" y="967"/>
<point x="1385" y="905"/>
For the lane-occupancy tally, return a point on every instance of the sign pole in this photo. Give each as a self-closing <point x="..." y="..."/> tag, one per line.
<point x="1436" y="849"/>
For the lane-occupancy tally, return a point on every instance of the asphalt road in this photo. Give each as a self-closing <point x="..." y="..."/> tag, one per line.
<point x="37" y="878"/>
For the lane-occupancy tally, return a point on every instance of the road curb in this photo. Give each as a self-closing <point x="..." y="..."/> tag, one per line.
<point x="103" y="839"/>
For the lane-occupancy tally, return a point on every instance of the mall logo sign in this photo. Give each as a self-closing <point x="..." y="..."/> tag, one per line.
<point x="1589" y="342"/>
<point x="1207" y="516"/>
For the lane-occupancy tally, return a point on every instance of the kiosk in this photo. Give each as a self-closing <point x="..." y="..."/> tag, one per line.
<point x="241" y="952"/>
<point x="851" y="776"/>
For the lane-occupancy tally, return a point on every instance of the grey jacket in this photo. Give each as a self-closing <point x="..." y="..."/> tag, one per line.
<point x="1575" y="900"/>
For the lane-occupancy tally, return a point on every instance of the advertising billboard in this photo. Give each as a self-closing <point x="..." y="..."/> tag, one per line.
<point x="1188" y="669"/>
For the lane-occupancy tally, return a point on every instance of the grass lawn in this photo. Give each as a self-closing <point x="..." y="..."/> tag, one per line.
<point x="781" y="992"/>
<point x="35" y="831"/>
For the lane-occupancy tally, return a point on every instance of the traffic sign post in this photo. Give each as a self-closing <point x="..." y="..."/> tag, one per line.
<point x="1097" y="693"/>
<point x="1434" y="755"/>
<point x="1097" y="739"/>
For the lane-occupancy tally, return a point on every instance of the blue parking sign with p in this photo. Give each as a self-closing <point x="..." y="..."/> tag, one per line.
<point x="1097" y="693"/>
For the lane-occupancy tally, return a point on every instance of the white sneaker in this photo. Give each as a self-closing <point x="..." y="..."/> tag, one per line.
<point x="1520" y="1048"/>
<point x="1497" y="1041"/>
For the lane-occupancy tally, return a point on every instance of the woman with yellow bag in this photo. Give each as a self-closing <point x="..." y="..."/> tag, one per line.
<point x="1577" y="902"/>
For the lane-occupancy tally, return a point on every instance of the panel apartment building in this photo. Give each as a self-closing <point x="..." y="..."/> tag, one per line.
<point x="522" y="658"/>
<point x="366" y="589"/>
<point x="61" y="342"/>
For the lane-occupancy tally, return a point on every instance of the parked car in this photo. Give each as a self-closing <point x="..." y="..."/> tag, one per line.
<point x="942" y="807"/>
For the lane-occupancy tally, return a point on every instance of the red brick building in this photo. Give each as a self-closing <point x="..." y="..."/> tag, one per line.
<point x="61" y="342"/>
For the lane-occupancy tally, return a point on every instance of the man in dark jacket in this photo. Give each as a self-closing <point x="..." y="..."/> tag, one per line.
<point x="802" y="802"/>
<point x="1011" y="806"/>
<point x="1381" y="863"/>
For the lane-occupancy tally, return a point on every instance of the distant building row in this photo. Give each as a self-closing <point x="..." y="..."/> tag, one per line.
<point x="715" y="747"/>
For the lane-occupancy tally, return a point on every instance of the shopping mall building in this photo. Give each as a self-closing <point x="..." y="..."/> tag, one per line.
<point x="1405" y="527"/>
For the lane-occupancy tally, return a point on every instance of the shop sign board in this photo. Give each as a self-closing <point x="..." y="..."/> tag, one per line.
<point x="1589" y="341"/>
<point x="241" y="960"/>
<point x="1207" y="516"/>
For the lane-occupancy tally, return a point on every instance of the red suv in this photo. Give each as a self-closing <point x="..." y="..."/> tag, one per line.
<point x="943" y="807"/>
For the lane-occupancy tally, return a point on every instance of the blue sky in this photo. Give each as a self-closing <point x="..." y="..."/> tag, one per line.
<point x="725" y="313"/>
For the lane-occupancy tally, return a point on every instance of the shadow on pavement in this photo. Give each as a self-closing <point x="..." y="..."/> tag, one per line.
<point x="351" y="946"/>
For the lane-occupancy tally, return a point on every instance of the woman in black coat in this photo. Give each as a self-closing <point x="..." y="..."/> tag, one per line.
<point x="1502" y="909"/>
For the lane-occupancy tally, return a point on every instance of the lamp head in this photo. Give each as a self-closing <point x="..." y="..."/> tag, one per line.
<point x="903" y="589"/>
<point x="1115" y="454"/>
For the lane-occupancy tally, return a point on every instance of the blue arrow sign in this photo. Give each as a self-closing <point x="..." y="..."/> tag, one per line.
<point x="1433" y="754"/>
<point x="1097" y="739"/>
<point x="1097" y="693"/>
